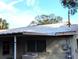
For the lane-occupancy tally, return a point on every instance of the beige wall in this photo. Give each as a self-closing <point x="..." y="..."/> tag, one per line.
<point x="53" y="47"/>
<point x="74" y="47"/>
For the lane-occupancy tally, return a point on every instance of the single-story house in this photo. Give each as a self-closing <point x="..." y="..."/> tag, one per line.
<point x="51" y="41"/>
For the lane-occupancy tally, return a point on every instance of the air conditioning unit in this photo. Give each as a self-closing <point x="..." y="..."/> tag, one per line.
<point x="29" y="56"/>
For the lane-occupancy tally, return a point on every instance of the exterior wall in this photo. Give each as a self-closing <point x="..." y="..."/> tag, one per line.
<point x="74" y="47"/>
<point x="1" y="50"/>
<point x="1" y="57"/>
<point x="54" y="47"/>
<point x="21" y="48"/>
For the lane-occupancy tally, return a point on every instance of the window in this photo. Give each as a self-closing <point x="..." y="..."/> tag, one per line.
<point x="41" y="45"/>
<point x="36" y="45"/>
<point x="6" y="47"/>
<point x="31" y="46"/>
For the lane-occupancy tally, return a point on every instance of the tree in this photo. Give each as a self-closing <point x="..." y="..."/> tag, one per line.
<point x="72" y="6"/>
<point x="3" y="24"/>
<point x="46" y="19"/>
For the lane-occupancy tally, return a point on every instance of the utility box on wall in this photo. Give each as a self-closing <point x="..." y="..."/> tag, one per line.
<point x="29" y="56"/>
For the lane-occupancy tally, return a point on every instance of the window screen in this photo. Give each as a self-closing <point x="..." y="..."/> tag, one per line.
<point x="36" y="45"/>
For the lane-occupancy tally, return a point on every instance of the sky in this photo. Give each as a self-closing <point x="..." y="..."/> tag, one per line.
<point x="20" y="13"/>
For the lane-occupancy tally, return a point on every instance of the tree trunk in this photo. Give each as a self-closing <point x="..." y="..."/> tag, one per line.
<point x="69" y="17"/>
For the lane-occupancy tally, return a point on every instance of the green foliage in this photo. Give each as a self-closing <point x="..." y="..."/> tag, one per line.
<point x="70" y="4"/>
<point x="3" y="24"/>
<point x="46" y="19"/>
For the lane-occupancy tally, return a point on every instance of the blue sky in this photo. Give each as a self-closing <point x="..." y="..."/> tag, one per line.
<point x="20" y="13"/>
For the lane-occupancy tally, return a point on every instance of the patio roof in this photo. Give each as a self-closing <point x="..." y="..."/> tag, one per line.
<point x="49" y="29"/>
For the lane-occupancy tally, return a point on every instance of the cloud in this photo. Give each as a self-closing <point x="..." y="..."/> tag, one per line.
<point x="34" y="4"/>
<point x="30" y="3"/>
<point x="21" y="20"/>
<point x="2" y="6"/>
<point x="15" y="2"/>
<point x="18" y="20"/>
<point x="9" y="7"/>
<point x="15" y="19"/>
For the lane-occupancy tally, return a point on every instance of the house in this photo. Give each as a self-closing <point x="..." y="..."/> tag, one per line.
<point x="51" y="41"/>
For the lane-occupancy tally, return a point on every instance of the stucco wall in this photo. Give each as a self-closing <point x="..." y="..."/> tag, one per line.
<point x="74" y="47"/>
<point x="54" y="47"/>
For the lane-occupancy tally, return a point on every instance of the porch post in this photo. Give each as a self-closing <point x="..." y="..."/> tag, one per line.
<point x="14" y="47"/>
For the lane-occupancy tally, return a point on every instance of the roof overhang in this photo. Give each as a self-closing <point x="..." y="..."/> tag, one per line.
<point x="51" y="34"/>
<point x="66" y="33"/>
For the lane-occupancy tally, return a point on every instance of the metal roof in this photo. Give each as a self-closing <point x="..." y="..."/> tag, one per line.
<point x="49" y="29"/>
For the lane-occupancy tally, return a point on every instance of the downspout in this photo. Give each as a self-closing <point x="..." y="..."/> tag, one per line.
<point x="14" y="47"/>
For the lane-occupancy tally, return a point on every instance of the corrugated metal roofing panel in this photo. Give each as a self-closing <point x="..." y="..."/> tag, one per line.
<point x="50" y="29"/>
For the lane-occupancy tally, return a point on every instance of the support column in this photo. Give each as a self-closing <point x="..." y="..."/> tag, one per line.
<point x="14" y="47"/>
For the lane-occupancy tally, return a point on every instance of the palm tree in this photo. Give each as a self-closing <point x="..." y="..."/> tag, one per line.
<point x="72" y="6"/>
